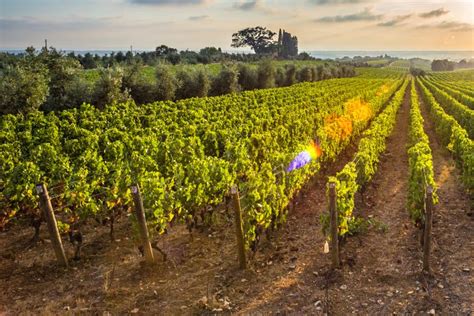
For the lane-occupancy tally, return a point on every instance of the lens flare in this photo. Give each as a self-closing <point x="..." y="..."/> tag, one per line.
<point x="337" y="127"/>
<point x="382" y="90"/>
<point x="312" y="152"/>
<point x="358" y="110"/>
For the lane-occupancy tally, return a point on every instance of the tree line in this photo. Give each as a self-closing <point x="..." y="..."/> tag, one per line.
<point x="161" y="54"/>
<point x="50" y="80"/>
<point x="285" y="48"/>
<point x="447" y="65"/>
<point x="258" y="38"/>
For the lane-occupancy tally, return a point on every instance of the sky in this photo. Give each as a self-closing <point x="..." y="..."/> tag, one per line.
<point x="193" y="24"/>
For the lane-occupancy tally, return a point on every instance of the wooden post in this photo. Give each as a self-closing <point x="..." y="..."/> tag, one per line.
<point x="48" y="213"/>
<point x="427" y="230"/>
<point x="239" y="230"/>
<point x="140" y="214"/>
<point x="334" y="225"/>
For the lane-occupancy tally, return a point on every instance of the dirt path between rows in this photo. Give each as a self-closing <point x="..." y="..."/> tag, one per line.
<point x="453" y="233"/>
<point x="290" y="274"/>
<point x="382" y="276"/>
<point x="384" y="271"/>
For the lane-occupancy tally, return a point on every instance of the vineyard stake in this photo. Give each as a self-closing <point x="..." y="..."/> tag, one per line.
<point x="427" y="232"/>
<point x="47" y="208"/>
<point x="239" y="231"/>
<point x="140" y="214"/>
<point x="333" y="222"/>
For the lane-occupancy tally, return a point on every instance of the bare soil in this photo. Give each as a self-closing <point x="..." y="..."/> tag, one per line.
<point x="383" y="276"/>
<point x="453" y="232"/>
<point x="290" y="274"/>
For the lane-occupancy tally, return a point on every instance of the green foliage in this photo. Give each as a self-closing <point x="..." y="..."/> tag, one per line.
<point x="420" y="162"/>
<point x="109" y="88"/>
<point x="248" y="79"/>
<point x="305" y="75"/>
<point x="192" y="84"/>
<point x="62" y="72"/>
<point x="462" y="113"/>
<point x="465" y="76"/>
<point x="417" y="72"/>
<point x="185" y="84"/>
<point x="166" y="84"/>
<point x="185" y="155"/>
<point x="226" y="81"/>
<point x="453" y="136"/>
<point x="287" y="44"/>
<point x="202" y="84"/>
<point x="77" y="91"/>
<point x="266" y="74"/>
<point x="368" y="72"/>
<point x="461" y="95"/>
<point x="323" y="72"/>
<point x="280" y="77"/>
<point x="442" y="65"/>
<point x="69" y="85"/>
<point x="23" y="88"/>
<point x="360" y="171"/>
<point x="346" y="187"/>
<point x="290" y="78"/>
<point x="141" y="88"/>
<point x="210" y="54"/>
<point x="259" y="38"/>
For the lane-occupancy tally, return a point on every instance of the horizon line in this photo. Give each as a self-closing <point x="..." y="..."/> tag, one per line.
<point x="241" y="51"/>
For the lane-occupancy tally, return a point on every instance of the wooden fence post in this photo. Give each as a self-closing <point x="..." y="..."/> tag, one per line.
<point x="334" y="226"/>
<point x="427" y="231"/>
<point x="140" y="214"/>
<point x="47" y="208"/>
<point x="239" y="231"/>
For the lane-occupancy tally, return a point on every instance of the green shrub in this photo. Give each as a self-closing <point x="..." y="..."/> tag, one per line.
<point x="23" y="89"/>
<point x="108" y="89"/>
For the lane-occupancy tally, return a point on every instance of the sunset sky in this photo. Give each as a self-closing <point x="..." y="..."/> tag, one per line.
<point x="193" y="24"/>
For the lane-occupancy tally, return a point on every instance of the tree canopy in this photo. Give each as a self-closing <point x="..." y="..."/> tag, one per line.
<point x="259" y="38"/>
<point x="442" y="65"/>
<point x="287" y="44"/>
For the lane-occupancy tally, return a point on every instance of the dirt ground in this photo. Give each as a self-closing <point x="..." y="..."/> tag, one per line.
<point x="453" y="231"/>
<point x="290" y="274"/>
<point x="383" y="271"/>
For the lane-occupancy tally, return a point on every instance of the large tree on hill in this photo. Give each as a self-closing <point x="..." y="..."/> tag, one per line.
<point x="259" y="38"/>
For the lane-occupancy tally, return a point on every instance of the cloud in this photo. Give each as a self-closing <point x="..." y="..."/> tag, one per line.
<point x="255" y="5"/>
<point x="168" y="2"/>
<point x="198" y="17"/>
<point x="365" y="15"/>
<point x="329" y="2"/>
<point x="434" y="13"/>
<point x="72" y="23"/>
<point x="247" y="5"/>
<point x="455" y="26"/>
<point x="28" y="23"/>
<point x="395" y="21"/>
<point x="452" y="26"/>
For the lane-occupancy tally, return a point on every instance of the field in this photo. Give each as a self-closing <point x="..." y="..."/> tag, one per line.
<point x="405" y="64"/>
<point x="384" y="138"/>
